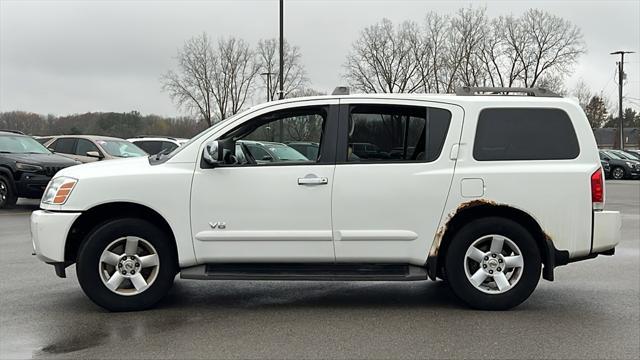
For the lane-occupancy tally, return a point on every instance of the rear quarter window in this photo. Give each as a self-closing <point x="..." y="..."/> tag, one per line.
<point x="525" y="134"/>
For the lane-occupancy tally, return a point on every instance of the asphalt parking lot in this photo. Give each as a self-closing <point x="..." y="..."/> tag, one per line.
<point x="592" y="310"/>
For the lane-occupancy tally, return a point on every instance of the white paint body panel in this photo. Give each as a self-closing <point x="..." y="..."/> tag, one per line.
<point x="48" y="234"/>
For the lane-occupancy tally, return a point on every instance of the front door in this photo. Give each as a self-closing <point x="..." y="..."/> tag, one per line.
<point x="269" y="202"/>
<point x="393" y="173"/>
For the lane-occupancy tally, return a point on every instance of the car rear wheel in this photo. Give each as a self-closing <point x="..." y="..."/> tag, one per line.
<point x="8" y="196"/>
<point x="493" y="264"/>
<point x="126" y="265"/>
<point x="618" y="173"/>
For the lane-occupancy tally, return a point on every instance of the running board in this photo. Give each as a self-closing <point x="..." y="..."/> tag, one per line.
<point x="321" y="272"/>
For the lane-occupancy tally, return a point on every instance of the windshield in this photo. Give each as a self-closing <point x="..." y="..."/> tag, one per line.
<point x="21" y="145"/>
<point x="286" y="153"/>
<point x="613" y="155"/>
<point x="121" y="148"/>
<point x="624" y="155"/>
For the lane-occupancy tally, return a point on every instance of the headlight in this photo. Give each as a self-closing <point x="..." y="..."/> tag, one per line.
<point x="630" y="164"/>
<point x="28" y="167"/>
<point x="58" y="190"/>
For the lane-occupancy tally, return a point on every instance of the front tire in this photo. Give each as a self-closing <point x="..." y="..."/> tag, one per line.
<point x="126" y="265"/>
<point x="493" y="263"/>
<point x="618" y="173"/>
<point x="8" y="196"/>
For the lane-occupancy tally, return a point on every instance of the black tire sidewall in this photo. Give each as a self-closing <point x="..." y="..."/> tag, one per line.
<point x="89" y="258"/>
<point x="460" y="284"/>
<point x="11" y="199"/>
<point x="613" y="172"/>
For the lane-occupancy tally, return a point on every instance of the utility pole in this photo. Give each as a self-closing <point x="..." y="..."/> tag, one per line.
<point x="621" y="77"/>
<point x="281" y="77"/>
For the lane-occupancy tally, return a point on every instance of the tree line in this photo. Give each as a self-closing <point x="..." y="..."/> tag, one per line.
<point x="123" y="125"/>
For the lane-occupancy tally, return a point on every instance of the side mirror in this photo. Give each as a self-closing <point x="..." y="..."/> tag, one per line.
<point x="267" y="158"/>
<point x="94" y="154"/>
<point x="212" y="153"/>
<point x="51" y="149"/>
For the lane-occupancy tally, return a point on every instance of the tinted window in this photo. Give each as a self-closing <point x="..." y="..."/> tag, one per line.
<point x="64" y="145"/>
<point x="168" y="146"/>
<point x="396" y="133"/>
<point x="151" y="147"/>
<point x="85" y="146"/>
<point x="525" y="134"/>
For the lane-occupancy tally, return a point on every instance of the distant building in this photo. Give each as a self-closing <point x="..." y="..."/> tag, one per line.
<point x="607" y="138"/>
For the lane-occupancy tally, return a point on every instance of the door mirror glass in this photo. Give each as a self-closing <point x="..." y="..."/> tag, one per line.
<point x="212" y="153"/>
<point x="94" y="154"/>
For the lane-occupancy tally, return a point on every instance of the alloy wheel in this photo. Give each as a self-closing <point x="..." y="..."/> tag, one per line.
<point x="129" y="265"/>
<point x="493" y="264"/>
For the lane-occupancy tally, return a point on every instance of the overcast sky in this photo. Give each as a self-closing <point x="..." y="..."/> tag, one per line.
<point x="65" y="57"/>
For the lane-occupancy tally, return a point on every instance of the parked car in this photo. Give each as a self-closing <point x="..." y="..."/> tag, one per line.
<point x="43" y="139"/>
<point x="621" y="167"/>
<point x="628" y="154"/>
<point x="263" y="152"/>
<point x="310" y="150"/>
<point x="606" y="167"/>
<point x="156" y="144"/>
<point x="485" y="206"/>
<point x="25" y="168"/>
<point x="636" y="152"/>
<point x="90" y="148"/>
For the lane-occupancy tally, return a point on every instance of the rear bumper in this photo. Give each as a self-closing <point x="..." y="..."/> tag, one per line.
<point x="607" y="230"/>
<point x="49" y="234"/>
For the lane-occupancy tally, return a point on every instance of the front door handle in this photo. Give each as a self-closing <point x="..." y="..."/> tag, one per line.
<point x="313" y="180"/>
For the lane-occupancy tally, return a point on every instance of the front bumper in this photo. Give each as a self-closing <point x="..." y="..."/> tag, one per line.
<point x="49" y="234"/>
<point x="31" y="185"/>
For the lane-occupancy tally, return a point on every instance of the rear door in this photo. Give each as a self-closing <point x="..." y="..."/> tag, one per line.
<point x="388" y="195"/>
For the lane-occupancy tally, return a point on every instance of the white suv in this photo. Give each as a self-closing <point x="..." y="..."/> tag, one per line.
<point x="485" y="191"/>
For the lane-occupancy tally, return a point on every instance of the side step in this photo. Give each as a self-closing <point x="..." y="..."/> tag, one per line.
<point x="323" y="272"/>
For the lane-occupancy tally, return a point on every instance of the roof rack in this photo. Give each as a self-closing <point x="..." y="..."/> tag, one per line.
<point x="536" y="91"/>
<point x="12" y="131"/>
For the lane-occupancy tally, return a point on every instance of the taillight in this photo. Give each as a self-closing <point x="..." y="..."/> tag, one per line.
<point x="597" y="189"/>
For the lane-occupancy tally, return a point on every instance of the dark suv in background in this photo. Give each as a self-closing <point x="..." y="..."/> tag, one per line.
<point x="25" y="167"/>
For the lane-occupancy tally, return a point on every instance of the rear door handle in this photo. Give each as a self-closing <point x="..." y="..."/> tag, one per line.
<point x="313" y="180"/>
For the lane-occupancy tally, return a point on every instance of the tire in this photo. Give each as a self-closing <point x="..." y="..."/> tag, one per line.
<point x="618" y="173"/>
<point x="95" y="268"/>
<point x="461" y="268"/>
<point x="8" y="197"/>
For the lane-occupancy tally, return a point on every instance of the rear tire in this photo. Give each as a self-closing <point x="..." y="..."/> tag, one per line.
<point x="8" y="197"/>
<point x="493" y="263"/>
<point x="135" y="248"/>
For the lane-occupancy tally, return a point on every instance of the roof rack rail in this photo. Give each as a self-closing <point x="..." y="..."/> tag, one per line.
<point x="12" y="131"/>
<point x="536" y="91"/>
<point x="154" y="136"/>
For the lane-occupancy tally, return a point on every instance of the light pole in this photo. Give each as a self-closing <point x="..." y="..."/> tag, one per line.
<point x="268" y="74"/>
<point x="281" y="77"/>
<point x="620" y="84"/>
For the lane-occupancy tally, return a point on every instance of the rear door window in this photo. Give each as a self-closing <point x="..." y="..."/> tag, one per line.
<point x="525" y="134"/>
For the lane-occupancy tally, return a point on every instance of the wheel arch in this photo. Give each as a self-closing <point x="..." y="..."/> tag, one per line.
<point x="473" y="210"/>
<point x="102" y="213"/>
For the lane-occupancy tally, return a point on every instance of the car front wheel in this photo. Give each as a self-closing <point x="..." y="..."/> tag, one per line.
<point x="618" y="173"/>
<point x="126" y="265"/>
<point x="493" y="264"/>
<point x="8" y="197"/>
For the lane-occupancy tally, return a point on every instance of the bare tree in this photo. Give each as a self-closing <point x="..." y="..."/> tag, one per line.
<point x="191" y="85"/>
<point x="235" y="75"/>
<point x="382" y="59"/>
<point x="582" y="92"/>
<point x="212" y="81"/>
<point x="552" y="44"/>
<point x="294" y="77"/>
